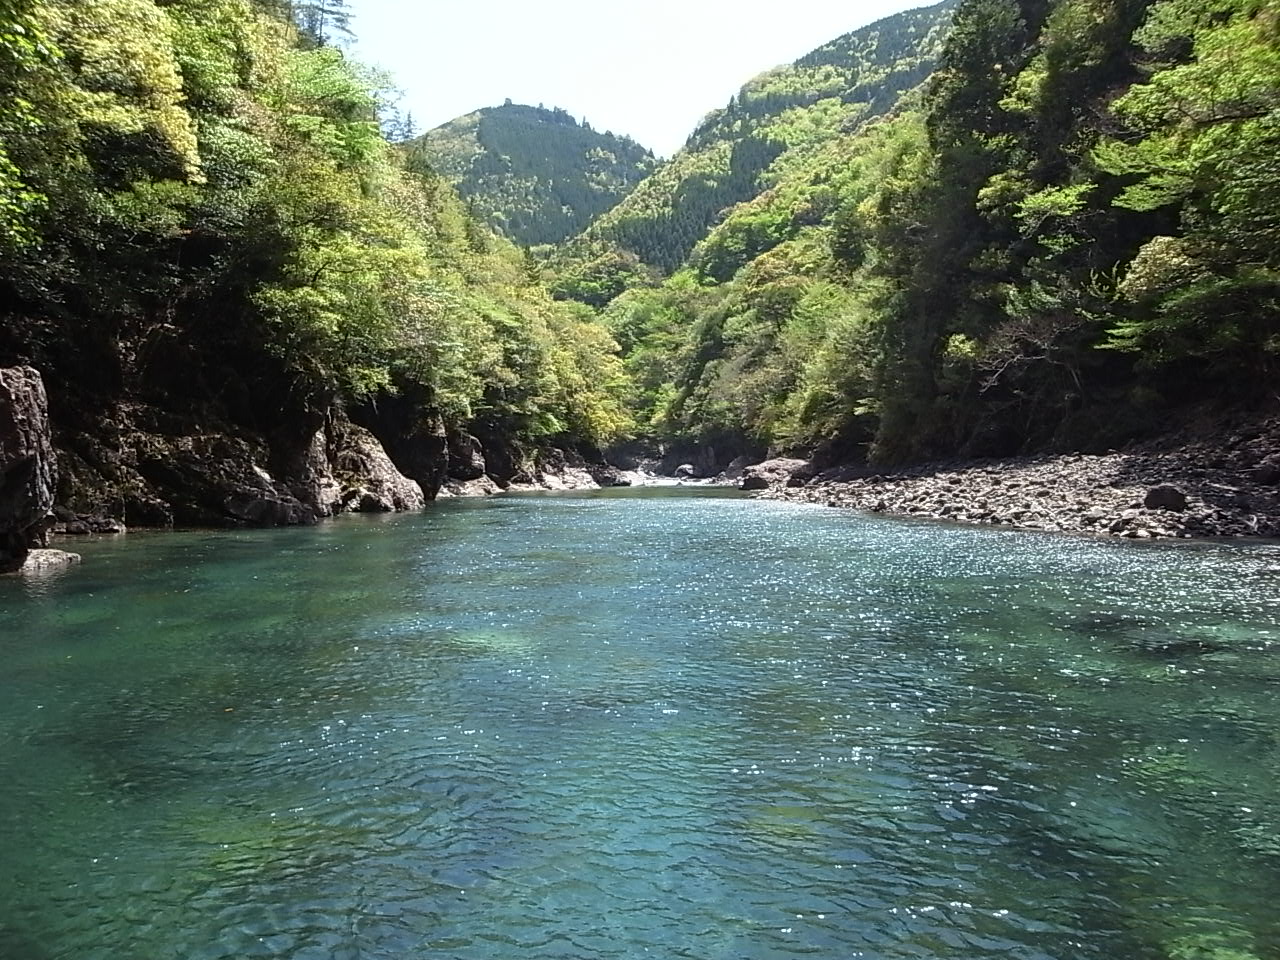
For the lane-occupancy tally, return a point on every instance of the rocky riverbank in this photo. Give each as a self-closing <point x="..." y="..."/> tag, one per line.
<point x="87" y="466"/>
<point x="1220" y="483"/>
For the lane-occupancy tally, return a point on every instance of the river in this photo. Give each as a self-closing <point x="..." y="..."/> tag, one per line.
<point x="672" y="723"/>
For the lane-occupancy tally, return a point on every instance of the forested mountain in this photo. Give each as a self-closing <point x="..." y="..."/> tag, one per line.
<point x="1071" y="230"/>
<point x="211" y="253"/>
<point x="1066" y="231"/>
<point x="772" y="125"/>
<point x="535" y="175"/>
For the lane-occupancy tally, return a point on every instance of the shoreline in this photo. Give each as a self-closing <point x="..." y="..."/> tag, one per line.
<point x="1222" y="488"/>
<point x="1211" y="489"/>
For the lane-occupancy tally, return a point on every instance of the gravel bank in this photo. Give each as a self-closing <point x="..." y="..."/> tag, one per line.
<point x="1221" y="485"/>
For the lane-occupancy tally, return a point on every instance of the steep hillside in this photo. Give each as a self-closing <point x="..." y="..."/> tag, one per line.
<point x="1065" y="240"/>
<point x="535" y="175"/>
<point x="774" y="122"/>
<point x="245" y="303"/>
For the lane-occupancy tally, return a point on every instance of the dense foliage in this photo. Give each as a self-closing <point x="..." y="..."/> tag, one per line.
<point x="1038" y="222"/>
<point x="1068" y="230"/>
<point x="198" y="210"/>
<point x="535" y="175"/>
<point x="772" y="125"/>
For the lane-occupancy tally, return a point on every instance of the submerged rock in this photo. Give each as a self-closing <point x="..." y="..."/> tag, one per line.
<point x="1176" y="646"/>
<point x="46" y="561"/>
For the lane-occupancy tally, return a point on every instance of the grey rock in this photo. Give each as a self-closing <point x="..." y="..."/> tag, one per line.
<point x="47" y="561"/>
<point x="773" y="473"/>
<point x="372" y="482"/>
<point x="480" y="487"/>
<point x="734" y="470"/>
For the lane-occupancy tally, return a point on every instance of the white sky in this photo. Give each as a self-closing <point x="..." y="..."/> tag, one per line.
<point x="647" y="68"/>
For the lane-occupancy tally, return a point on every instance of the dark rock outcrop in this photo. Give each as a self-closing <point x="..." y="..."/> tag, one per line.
<point x="1165" y="497"/>
<point x="466" y="457"/>
<point x="371" y="482"/>
<point x="67" y="523"/>
<point x="1267" y="474"/>
<point x="28" y="468"/>
<point x="606" y="475"/>
<point x="704" y="460"/>
<point x="217" y="479"/>
<point x="413" y="435"/>
<point x="144" y="467"/>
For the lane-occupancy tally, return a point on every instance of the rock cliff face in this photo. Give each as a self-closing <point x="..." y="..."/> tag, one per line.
<point x="144" y="467"/>
<point x="28" y="469"/>
<point x="124" y="461"/>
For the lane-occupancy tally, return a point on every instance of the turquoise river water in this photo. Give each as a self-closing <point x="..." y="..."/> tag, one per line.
<point x="650" y="725"/>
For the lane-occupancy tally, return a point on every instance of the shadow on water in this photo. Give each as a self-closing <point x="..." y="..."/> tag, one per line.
<point x="14" y="945"/>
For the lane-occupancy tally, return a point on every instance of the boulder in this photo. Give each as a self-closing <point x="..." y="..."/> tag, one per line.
<point x="608" y="476"/>
<point x="47" y="561"/>
<point x="372" y="484"/>
<point x="734" y="470"/>
<point x="772" y="473"/>
<point x="480" y="487"/>
<point x="466" y="457"/>
<point x="28" y="469"/>
<point x="1165" y="497"/>
<point x="685" y="471"/>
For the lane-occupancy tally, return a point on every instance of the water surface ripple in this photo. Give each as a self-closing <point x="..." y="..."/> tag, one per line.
<point x="642" y="726"/>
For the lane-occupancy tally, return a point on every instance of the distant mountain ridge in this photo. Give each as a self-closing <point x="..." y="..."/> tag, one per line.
<point x="536" y="175"/>
<point x="772" y="125"/>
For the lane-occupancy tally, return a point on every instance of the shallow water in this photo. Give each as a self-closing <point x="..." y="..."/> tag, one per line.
<point x="622" y="726"/>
